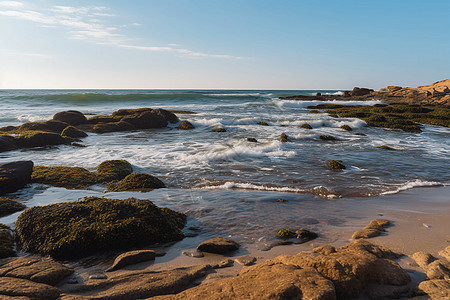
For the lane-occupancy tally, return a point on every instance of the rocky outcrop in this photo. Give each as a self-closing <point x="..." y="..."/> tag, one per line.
<point x="9" y="206"/>
<point x="16" y="288"/>
<point x="218" y="246"/>
<point x="73" y="132"/>
<point x="131" y="258"/>
<point x="14" y="175"/>
<point x="340" y="273"/>
<point x="77" y="229"/>
<point x="31" y="139"/>
<point x="7" y="143"/>
<point x="114" y="170"/>
<point x="375" y="228"/>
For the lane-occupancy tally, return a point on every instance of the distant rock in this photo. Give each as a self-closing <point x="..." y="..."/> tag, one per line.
<point x="361" y="91"/>
<point x="185" y="125"/>
<point x="218" y="246"/>
<point x="131" y="258"/>
<point x="284" y="138"/>
<point x="305" y="126"/>
<point x="14" y="175"/>
<point x="327" y="137"/>
<point x="219" y="129"/>
<point x="346" y="127"/>
<point x="263" y="123"/>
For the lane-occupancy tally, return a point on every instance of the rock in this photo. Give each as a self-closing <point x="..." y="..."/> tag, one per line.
<point x="7" y="143"/>
<point x="41" y="270"/>
<point x="142" y="284"/>
<point x="17" y="287"/>
<point x="6" y="242"/>
<point x="252" y="140"/>
<point x="96" y="225"/>
<point x="168" y="115"/>
<point x="436" y="289"/>
<point x="9" y="206"/>
<point x="263" y="123"/>
<point x="245" y="260"/>
<point x="224" y="264"/>
<point x="388" y="292"/>
<point x="281" y="200"/>
<point x="423" y="259"/>
<point x="14" y="175"/>
<point x="73" y="132"/>
<point x="280" y="243"/>
<point x="438" y="269"/>
<point x="219" y="129"/>
<point x="218" y="246"/>
<point x="374" y="228"/>
<point x="71" y="117"/>
<point x="285" y="233"/>
<point x="195" y="253"/>
<point x="146" y="120"/>
<point x="325" y="250"/>
<point x="327" y="137"/>
<point x="384" y="147"/>
<point x="283" y="138"/>
<point x="47" y="126"/>
<point x="98" y="276"/>
<point x="128" y="112"/>
<point x="78" y="145"/>
<point x="103" y="119"/>
<point x="114" y="170"/>
<point x="113" y="127"/>
<point x="445" y="253"/>
<point x="359" y="133"/>
<point x="305" y="235"/>
<point x="393" y="88"/>
<point x="131" y="258"/>
<point x="336" y="165"/>
<point x="31" y="139"/>
<point x="305" y="126"/>
<point x="185" y="125"/>
<point x="67" y="177"/>
<point x="137" y="182"/>
<point x="346" y="127"/>
<point x="361" y="91"/>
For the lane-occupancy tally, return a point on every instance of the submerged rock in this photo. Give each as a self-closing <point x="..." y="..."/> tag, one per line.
<point x="252" y="140"/>
<point x="68" y="177"/>
<point x="186" y="125"/>
<point x="346" y="127"/>
<point x="336" y="165"/>
<point x="77" y="229"/>
<point x="9" y="206"/>
<point x="218" y="246"/>
<point x="219" y="129"/>
<point x="305" y="235"/>
<point x="137" y="182"/>
<point x="73" y="132"/>
<point x="285" y="233"/>
<point x="263" y="123"/>
<point x="305" y="126"/>
<point x="131" y="258"/>
<point x="284" y="138"/>
<point x="114" y="170"/>
<point x="15" y="175"/>
<point x="71" y="117"/>
<point x="327" y="137"/>
<point x="384" y="147"/>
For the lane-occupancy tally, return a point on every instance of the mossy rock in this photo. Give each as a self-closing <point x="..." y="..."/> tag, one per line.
<point x="305" y="126"/>
<point x="137" y="182"/>
<point x="336" y="165"/>
<point x="110" y="170"/>
<point x="30" y="139"/>
<point x="346" y="127"/>
<point x="359" y="133"/>
<point x="186" y="125"/>
<point x="6" y="242"/>
<point x="72" y="117"/>
<point x="263" y="123"/>
<point x="327" y="137"/>
<point x="384" y="147"/>
<point x="73" y="132"/>
<point x="285" y="233"/>
<point x="113" y="127"/>
<point x="68" y="177"/>
<point x="76" y="229"/>
<point x="284" y="138"/>
<point x="103" y="119"/>
<point x="47" y="126"/>
<point x="219" y="129"/>
<point x="9" y="206"/>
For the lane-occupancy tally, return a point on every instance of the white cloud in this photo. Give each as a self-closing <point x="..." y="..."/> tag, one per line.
<point x="82" y="24"/>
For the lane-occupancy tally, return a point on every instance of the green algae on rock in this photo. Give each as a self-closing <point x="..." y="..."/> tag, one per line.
<point x="137" y="182"/>
<point x="384" y="147"/>
<point x="186" y="125"/>
<point x="73" y="132"/>
<point x="219" y="129"/>
<point x="114" y="170"/>
<point x="284" y="138"/>
<point x="305" y="126"/>
<point x="327" y="137"/>
<point x="30" y="139"/>
<point x="285" y="233"/>
<point x="77" y="229"/>
<point x="336" y="165"/>
<point x="9" y="206"/>
<point x="263" y="123"/>
<point x="68" y="177"/>
<point x="346" y="127"/>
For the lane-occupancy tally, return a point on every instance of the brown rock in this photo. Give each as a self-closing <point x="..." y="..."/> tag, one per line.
<point x="423" y="259"/>
<point x="131" y="258"/>
<point x="71" y="117"/>
<point x="361" y="91"/>
<point x="41" y="270"/>
<point x="112" y="127"/>
<point x="218" y="246"/>
<point x="185" y="125"/>
<point x="445" y="253"/>
<point x="17" y="287"/>
<point x="245" y="260"/>
<point x="7" y="143"/>
<point x="6" y="242"/>
<point x="15" y="175"/>
<point x="436" y="289"/>
<point x="374" y="228"/>
<point x="393" y="88"/>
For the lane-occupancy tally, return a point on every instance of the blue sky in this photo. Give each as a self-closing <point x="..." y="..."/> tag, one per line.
<point x="228" y="44"/>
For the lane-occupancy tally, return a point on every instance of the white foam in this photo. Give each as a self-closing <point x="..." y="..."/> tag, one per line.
<point x="251" y="186"/>
<point x="412" y="184"/>
<point x="33" y="118"/>
<point x="304" y="104"/>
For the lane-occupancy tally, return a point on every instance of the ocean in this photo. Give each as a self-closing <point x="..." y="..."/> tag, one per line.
<point x="221" y="179"/>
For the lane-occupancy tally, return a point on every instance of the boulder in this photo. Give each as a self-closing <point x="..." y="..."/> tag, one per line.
<point x="374" y="229"/>
<point x="16" y="287"/>
<point x="14" y="175"/>
<point x="305" y="126"/>
<point x="327" y="137"/>
<point x="77" y="229"/>
<point x="71" y="117"/>
<point x="146" y="120"/>
<point x="361" y="91"/>
<point x="41" y="270"/>
<point x="445" y="253"/>
<point x="169" y="116"/>
<point x="336" y="165"/>
<point x="113" y="127"/>
<point x="6" y="242"/>
<point x="114" y="170"/>
<point x="218" y="246"/>
<point x="7" y="143"/>
<point x="346" y="127"/>
<point x="305" y="235"/>
<point x="67" y="177"/>
<point x="131" y="258"/>
<point x="437" y="289"/>
<point x="9" y="206"/>
<point x="30" y="139"/>
<point x="284" y="138"/>
<point x="185" y="125"/>
<point x="73" y="132"/>
<point x="137" y="182"/>
<point x="47" y="126"/>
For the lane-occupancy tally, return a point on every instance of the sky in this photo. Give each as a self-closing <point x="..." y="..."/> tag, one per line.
<point x="227" y="44"/>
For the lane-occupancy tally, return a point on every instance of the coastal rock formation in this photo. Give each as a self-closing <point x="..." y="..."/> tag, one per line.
<point x="218" y="246"/>
<point x="71" y="117"/>
<point x="46" y="126"/>
<point x="6" y="242"/>
<point x="340" y="273"/>
<point x="375" y="228"/>
<point x="17" y="288"/>
<point x="131" y="258"/>
<point x="7" y="143"/>
<point x="137" y="182"/>
<point x="114" y="170"/>
<point x="31" y="139"/>
<point x="14" y="175"/>
<point x="77" y="229"/>
<point x="112" y="127"/>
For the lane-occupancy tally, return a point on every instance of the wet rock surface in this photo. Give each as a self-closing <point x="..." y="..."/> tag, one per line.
<point x="375" y="228"/>
<point x="218" y="246"/>
<point x="131" y="258"/>
<point x="14" y="175"/>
